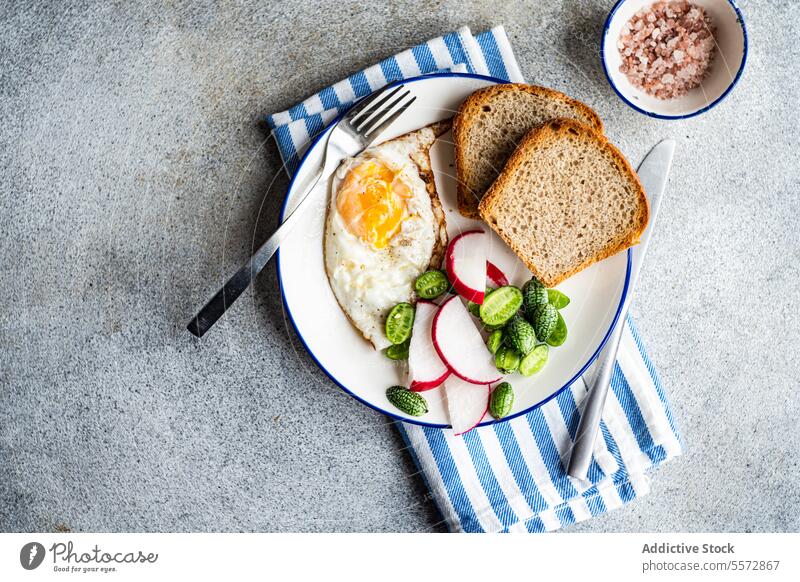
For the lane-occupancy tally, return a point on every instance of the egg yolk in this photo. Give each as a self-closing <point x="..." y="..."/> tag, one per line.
<point x="372" y="202"/>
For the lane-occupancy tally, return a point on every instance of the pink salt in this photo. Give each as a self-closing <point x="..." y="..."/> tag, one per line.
<point x="667" y="49"/>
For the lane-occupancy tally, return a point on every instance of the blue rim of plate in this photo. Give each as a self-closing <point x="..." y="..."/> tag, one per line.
<point x="734" y="82"/>
<point x="389" y="413"/>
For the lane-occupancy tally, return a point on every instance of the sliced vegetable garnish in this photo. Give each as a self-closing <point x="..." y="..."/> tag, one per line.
<point x="467" y="403"/>
<point x="559" y="335"/>
<point x="425" y="368"/>
<point x="431" y="284"/>
<point x="495" y="340"/>
<point x="534" y="361"/>
<point x="506" y="359"/>
<point x="557" y="298"/>
<point x="398" y="351"/>
<point x="474" y="308"/>
<point x="460" y="345"/>
<point x="495" y="275"/>
<point x="399" y="323"/>
<point x="465" y="261"/>
<point x="500" y="305"/>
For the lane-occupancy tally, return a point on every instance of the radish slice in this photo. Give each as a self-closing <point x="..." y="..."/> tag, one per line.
<point x="460" y="345"/>
<point x="466" y="265"/>
<point x="495" y="275"/>
<point x="425" y="367"/>
<point x="467" y="403"/>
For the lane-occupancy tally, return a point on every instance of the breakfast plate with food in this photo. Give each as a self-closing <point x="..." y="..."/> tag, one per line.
<point x="472" y="264"/>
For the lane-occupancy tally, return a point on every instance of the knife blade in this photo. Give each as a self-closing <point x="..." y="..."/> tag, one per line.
<point x="653" y="173"/>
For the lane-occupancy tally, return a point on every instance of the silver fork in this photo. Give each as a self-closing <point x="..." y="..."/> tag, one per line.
<point x="351" y="135"/>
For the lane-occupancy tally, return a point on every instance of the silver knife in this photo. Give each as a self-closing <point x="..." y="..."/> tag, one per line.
<point x="653" y="172"/>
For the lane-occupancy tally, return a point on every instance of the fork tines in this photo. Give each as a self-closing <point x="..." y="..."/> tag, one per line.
<point x="379" y="116"/>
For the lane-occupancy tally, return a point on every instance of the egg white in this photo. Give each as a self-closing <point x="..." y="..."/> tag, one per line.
<point x="368" y="282"/>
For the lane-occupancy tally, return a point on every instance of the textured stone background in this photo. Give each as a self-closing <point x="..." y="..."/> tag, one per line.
<point x="134" y="171"/>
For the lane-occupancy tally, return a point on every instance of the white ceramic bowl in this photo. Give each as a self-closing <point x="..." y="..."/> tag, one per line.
<point x="726" y="69"/>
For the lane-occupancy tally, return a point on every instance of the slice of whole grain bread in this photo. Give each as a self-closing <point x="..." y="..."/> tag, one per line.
<point x="566" y="198"/>
<point x="490" y="124"/>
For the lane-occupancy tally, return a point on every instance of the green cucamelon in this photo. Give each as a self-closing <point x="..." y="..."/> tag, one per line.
<point x="495" y="340"/>
<point x="502" y="400"/>
<point x="400" y="322"/>
<point x="534" y="361"/>
<point x="412" y="403"/>
<point x="521" y="335"/>
<point x="500" y="305"/>
<point x="506" y="360"/>
<point x="534" y="294"/>
<point x="431" y="284"/>
<point x="398" y="351"/>
<point x="544" y="321"/>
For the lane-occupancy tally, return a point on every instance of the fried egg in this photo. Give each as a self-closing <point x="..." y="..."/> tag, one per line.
<point x="384" y="227"/>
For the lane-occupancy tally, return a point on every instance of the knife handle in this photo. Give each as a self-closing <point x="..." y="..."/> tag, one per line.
<point x="595" y="400"/>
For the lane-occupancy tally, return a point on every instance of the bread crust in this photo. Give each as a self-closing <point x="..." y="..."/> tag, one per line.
<point x="548" y="131"/>
<point x="468" y="113"/>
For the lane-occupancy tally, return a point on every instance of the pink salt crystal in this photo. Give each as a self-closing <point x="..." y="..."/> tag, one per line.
<point x="667" y="49"/>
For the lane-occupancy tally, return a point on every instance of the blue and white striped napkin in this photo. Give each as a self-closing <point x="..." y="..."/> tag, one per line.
<point x="488" y="53"/>
<point x="512" y="476"/>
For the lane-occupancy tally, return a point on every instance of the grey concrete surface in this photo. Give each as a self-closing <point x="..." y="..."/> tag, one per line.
<point x="136" y="174"/>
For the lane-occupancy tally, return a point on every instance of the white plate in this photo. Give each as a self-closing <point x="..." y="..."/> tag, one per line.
<point x="350" y="361"/>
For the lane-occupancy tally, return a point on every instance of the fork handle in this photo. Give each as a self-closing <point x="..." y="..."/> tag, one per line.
<point x="241" y="280"/>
